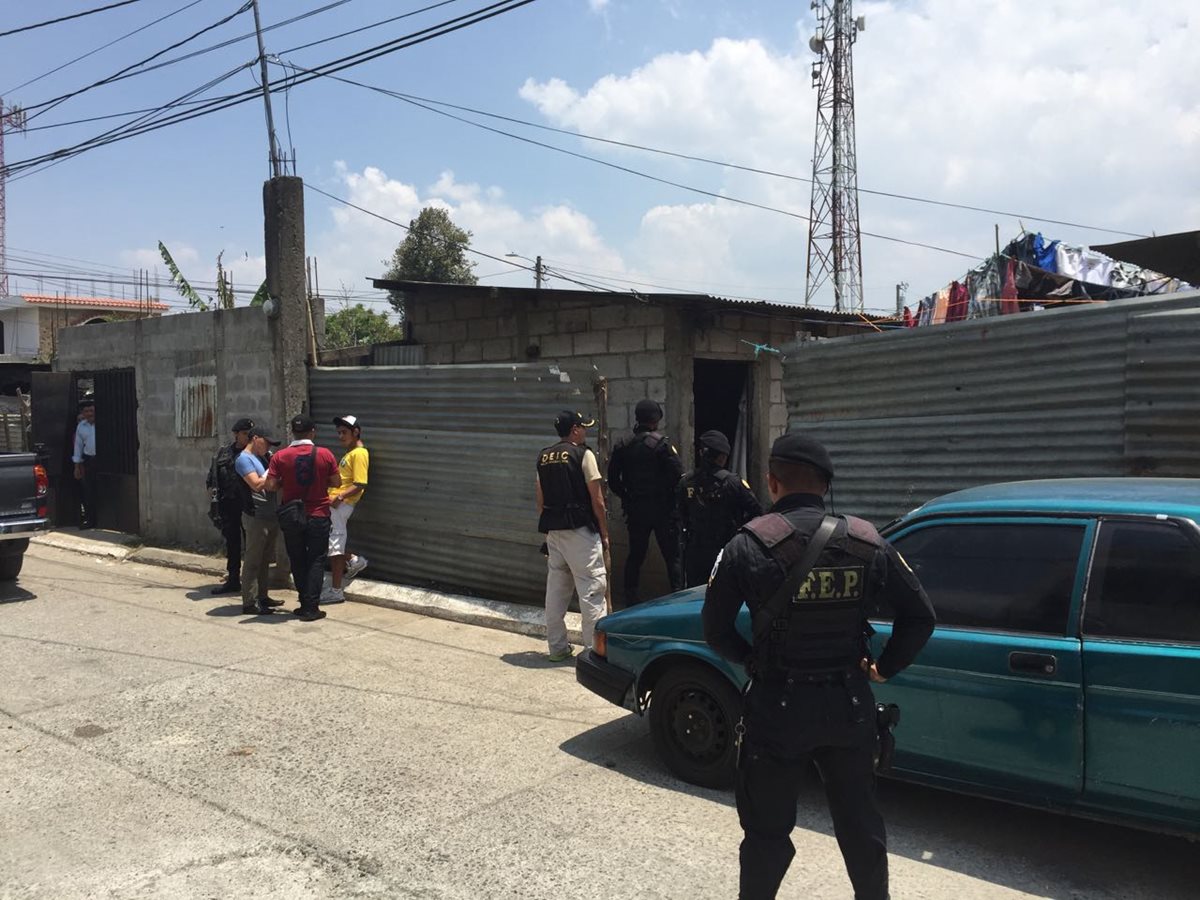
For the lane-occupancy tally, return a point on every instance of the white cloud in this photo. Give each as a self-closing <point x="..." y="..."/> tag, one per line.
<point x="355" y="247"/>
<point x="598" y="5"/>
<point x="1087" y="115"/>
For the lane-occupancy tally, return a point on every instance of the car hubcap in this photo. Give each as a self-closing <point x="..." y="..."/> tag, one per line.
<point x="698" y="725"/>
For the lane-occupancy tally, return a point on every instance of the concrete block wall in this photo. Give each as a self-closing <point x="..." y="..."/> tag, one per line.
<point x="236" y="346"/>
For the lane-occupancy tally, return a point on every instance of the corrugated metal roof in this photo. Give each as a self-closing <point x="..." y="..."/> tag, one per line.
<point x="451" y="494"/>
<point x="1075" y="392"/>
<point x="709" y="301"/>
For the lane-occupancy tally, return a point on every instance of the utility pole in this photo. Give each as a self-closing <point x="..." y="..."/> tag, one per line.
<point x="537" y="273"/>
<point x="262" y="64"/>
<point x="834" y="236"/>
<point x="900" y="289"/>
<point x="11" y="118"/>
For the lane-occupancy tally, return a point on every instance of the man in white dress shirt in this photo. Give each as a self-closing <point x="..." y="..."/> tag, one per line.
<point x="84" y="458"/>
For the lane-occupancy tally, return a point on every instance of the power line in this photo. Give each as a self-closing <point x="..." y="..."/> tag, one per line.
<point x="752" y="169"/>
<point x="96" y="50"/>
<point x="229" y="101"/>
<point x="728" y="198"/>
<point x="335" y="37"/>
<point x="46" y="105"/>
<point x="78" y="15"/>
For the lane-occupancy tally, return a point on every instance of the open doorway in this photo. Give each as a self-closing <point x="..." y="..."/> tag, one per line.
<point x="721" y="400"/>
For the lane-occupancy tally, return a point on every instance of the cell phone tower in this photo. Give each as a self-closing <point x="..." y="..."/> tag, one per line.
<point x="834" y="238"/>
<point x="11" y="118"/>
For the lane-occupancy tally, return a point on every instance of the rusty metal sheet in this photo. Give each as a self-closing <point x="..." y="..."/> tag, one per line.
<point x="195" y="406"/>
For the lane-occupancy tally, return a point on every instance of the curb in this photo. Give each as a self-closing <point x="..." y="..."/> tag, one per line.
<point x="461" y="608"/>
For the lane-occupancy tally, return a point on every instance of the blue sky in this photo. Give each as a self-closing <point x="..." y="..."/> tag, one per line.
<point x="1080" y="111"/>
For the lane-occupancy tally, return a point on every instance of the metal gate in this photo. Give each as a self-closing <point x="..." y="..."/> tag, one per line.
<point x="451" y="496"/>
<point x="115" y="394"/>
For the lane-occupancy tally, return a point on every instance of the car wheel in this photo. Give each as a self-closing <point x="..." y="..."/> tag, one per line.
<point x="693" y="711"/>
<point x="10" y="566"/>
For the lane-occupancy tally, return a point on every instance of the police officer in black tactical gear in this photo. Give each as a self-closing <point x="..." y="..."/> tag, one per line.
<point x="809" y="697"/>
<point x="643" y="471"/>
<point x="228" y="493"/>
<point x="713" y="503"/>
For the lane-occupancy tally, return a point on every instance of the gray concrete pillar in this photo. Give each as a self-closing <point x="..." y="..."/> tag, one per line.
<point x="283" y="220"/>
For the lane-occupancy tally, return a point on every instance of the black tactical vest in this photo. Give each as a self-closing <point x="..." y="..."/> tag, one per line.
<point x="643" y="470"/>
<point x="825" y="629"/>
<point x="566" y="503"/>
<point x="712" y="515"/>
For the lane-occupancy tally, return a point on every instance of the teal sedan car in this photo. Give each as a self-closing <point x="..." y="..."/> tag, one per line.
<point x="1064" y="672"/>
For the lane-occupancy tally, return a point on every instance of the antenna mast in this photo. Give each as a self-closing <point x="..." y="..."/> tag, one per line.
<point x="833" y="232"/>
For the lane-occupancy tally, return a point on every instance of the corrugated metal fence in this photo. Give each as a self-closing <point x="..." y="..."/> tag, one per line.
<point x="451" y="496"/>
<point x="907" y="415"/>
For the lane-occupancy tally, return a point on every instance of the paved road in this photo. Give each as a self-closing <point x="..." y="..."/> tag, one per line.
<point x="155" y="743"/>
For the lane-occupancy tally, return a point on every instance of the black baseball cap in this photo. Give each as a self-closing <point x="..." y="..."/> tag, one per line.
<point x="566" y="420"/>
<point x="714" y="440"/>
<point x="794" y="447"/>
<point x="303" y="425"/>
<point x="262" y="433"/>
<point x="243" y="424"/>
<point x="648" y="411"/>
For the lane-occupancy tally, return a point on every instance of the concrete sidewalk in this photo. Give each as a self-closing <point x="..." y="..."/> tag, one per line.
<point x="514" y="617"/>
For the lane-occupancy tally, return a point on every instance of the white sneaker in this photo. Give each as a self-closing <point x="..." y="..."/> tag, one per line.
<point x="333" y="595"/>
<point x="355" y="565"/>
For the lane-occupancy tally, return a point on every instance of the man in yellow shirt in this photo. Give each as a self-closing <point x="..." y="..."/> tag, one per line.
<point x="342" y="500"/>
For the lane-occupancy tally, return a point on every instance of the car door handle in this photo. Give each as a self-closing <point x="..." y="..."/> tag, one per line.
<point x="1044" y="664"/>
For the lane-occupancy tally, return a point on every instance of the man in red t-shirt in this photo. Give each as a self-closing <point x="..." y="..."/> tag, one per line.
<point x="303" y="471"/>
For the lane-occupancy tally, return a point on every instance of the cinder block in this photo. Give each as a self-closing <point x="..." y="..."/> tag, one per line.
<point x="643" y="314"/>
<point x="613" y="366"/>
<point x="611" y="315"/>
<point x="444" y="354"/>
<point x="468" y="351"/>
<point x="776" y="391"/>
<point x="454" y="331"/>
<point x="626" y="340"/>
<point x="723" y="341"/>
<point x="591" y="342"/>
<point x="498" y="350"/>
<point x="656" y="389"/>
<point x="626" y="390"/>
<point x="481" y="329"/>
<point x="778" y="416"/>
<point x="571" y="321"/>
<point x="654" y="337"/>
<point x="506" y="326"/>
<point x="555" y="346"/>
<point x="541" y="322"/>
<point x="441" y="311"/>
<point x="468" y="308"/>
<point x="651" y="364"/>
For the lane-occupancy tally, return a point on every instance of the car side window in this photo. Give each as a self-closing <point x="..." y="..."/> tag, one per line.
<point x="1145" y="583"/>
<point x="1004" y="576"/>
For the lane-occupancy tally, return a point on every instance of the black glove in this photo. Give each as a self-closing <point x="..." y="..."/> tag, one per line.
<point x="214" y="515"/>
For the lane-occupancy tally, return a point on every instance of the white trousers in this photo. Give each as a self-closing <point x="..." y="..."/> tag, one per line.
<point x="576" y="561"/>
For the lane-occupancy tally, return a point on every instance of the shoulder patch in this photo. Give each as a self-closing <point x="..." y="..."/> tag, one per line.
<point x="862" y="530"/>
<point x="770" y="529"/>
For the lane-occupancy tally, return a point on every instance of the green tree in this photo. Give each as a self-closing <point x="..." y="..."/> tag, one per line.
<point x="435" y="249"/>
<point x="354" y="325"/>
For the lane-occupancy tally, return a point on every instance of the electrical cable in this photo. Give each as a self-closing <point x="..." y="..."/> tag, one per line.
<point x="47" y="105"/>
<point x="728" y="198"/>
<point x="96" y="50"/>
<point x="78" y="15"/>
<point x="335" y="37"/>
<point x="757" y="171"/>
<point x="337" y="65"/>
